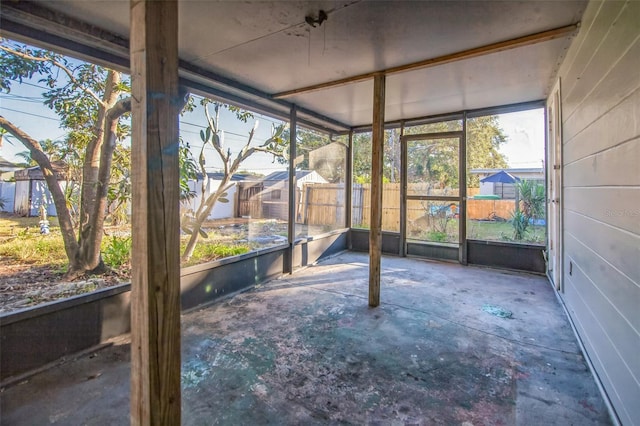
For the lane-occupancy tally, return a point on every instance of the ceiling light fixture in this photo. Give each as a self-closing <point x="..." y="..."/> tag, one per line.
<point x="322" y="16"/>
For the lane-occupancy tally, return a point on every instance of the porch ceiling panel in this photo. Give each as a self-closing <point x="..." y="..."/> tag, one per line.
<point x="492" y="80"/>
<point x="268" y="45"/>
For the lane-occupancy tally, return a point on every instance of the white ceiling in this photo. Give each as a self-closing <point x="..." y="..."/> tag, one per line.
<point x="267" y="45"/>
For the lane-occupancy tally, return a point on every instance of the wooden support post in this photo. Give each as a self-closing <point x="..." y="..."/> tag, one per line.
<point x="375" y="226"/>
<point x="403" y="193"/>
<point x="462" y="176"/>
<point x="348" y="185"/>
<point x="155" y="295"/>
<point x="293" y="205"/>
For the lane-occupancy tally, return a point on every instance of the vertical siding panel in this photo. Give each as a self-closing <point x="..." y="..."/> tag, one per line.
<point x="601" y="153"/>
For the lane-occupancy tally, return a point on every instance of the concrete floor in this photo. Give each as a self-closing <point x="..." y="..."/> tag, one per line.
<point x="306" y="349"/>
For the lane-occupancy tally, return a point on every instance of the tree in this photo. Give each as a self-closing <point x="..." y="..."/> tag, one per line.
<point x="484" y="138"/>
<point x="213" y="137"/>
<point x="362" y="157"/>
<point x="90" y="101"/>
<point x="434" y="161"/>
<point x="532" y="196"/>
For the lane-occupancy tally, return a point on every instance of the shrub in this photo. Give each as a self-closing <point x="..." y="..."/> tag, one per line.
<point x="117" y="251"/>
<point x="209" y="252"/>
<point x="520" y="223"/>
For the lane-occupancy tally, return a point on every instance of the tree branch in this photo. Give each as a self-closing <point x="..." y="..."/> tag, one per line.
<point x="121" y="107"/>
<point x="60" y="66"/>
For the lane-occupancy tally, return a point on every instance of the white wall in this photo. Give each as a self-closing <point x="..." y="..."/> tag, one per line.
<point x="7" y="194"/>
<point x="40" y="196"/>
<point x="220" y="210"/>
<point x="600" y="89"/>
<point x="30" y="195"/>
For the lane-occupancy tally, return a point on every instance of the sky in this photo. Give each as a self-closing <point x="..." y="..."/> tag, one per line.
<point x="23" y="106"/>
<point x="525" y="133"/>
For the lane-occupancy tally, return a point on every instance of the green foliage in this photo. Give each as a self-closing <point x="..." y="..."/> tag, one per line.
<point x="117" y="251"/>
<point x="72" y="89"/>
<point x="188" y="170"/>
<point x="212" y="137"/>
<point x="3" y="203"/>
<point x="207" y="252"/>
<point x="92" y="105"/>
<point x="532" y="199"/>
<point x="434" y="161"/>
<point x="437" y="236"/>
<point x="13" y="68"/>
<point x="484" y="139"/>
<point x="119" y="191"/>
<point x="532" y="196"/>
<point x="520" y="223"/>
<point x="362" y="156"/>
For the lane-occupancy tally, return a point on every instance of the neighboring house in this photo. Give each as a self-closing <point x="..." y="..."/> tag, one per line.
<point x="268" y="197"/>
<point x="507" y="190"/>
<point x="220" y="210"/>
<point x="7" y="166"/>
<point x="7" y="195"/>
<point x="31" y="191"/>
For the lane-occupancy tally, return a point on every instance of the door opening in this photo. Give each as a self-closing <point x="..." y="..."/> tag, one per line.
<point x="433" y="189"/>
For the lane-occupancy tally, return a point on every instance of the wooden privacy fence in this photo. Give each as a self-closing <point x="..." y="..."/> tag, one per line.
<point x="324" y="204"/>
<point x="476" y="209"/>
<point x="316" y="203"/>
<point x="321" y="204"/>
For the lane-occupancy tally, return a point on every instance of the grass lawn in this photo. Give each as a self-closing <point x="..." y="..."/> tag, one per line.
<point x="503" y="231"/>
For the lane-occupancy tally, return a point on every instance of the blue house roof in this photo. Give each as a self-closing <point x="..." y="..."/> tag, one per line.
<point x="284" y="175"/>
<point x="219" y="176"/>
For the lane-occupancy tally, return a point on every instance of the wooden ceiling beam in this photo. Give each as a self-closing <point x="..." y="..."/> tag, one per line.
<point x="441" y="60"/>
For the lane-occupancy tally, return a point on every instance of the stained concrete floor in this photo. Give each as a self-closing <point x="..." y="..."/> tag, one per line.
<point x="441" y="349"/>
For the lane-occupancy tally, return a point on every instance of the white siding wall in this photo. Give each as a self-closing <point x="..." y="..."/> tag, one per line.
<point x="7" y="194"/>
<point x="21" y="206"/>
<point x="220" y="210"/>
<point x="600" y="80"/>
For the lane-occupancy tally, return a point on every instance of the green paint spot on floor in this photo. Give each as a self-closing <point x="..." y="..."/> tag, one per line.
<point x="497" y="311"/>
<point x="194" y="372"/>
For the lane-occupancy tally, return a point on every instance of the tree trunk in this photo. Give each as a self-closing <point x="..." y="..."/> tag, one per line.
<point x="96" y="177"/>
<point x="201" y="216"/>
<point x="89" y="259"/>
<point x="64" y="217"/>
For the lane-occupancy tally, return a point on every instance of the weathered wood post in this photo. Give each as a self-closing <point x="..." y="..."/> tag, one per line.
<point x="155" y="296"/>
<point x="375" y="226"/>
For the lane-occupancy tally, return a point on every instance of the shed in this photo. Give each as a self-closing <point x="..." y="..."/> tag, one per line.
<point x="31" y="191"/>
<point x="220" y="209"/>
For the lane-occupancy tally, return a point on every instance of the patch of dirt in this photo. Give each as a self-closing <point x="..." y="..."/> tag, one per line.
<point x="23" y="285"/>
